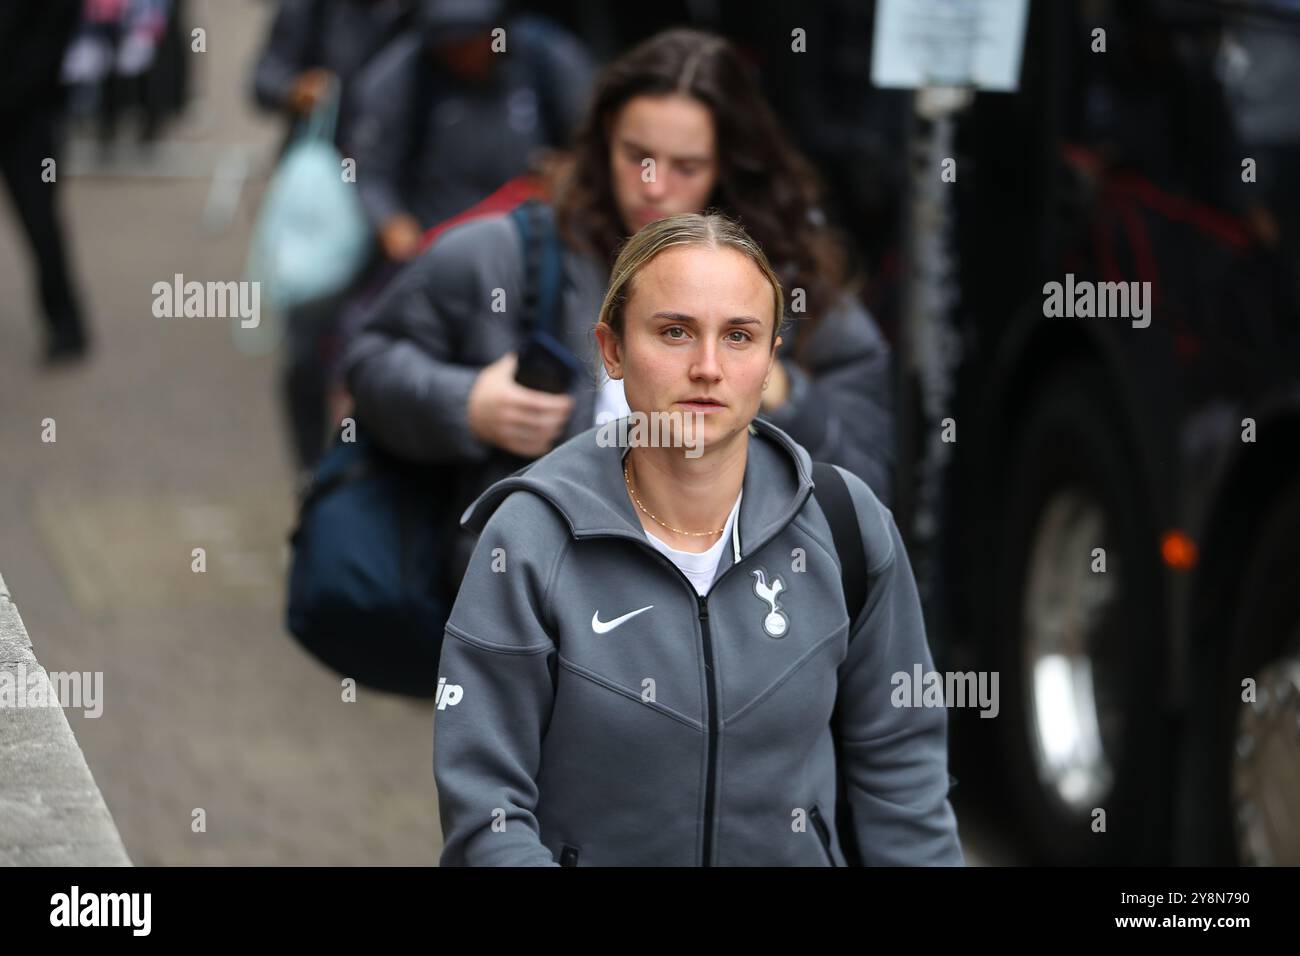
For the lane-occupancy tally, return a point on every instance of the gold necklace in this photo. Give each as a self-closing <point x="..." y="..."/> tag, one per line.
<point x="627" y="481"/>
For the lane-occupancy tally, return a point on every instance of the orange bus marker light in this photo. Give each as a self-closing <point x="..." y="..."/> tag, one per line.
<point x="1178" y="550"/>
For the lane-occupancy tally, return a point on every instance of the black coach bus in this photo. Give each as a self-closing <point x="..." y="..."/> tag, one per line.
<point x="1112" y="520"/>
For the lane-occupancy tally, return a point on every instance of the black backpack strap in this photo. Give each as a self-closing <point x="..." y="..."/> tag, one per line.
<point x="833" y="495"/>
<point x="543" y="267"/>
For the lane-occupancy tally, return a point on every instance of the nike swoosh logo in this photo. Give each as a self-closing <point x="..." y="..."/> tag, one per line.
<point x="603" y="627"/>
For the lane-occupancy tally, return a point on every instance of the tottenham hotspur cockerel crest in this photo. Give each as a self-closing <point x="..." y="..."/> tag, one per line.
<point x="775" y="623"/>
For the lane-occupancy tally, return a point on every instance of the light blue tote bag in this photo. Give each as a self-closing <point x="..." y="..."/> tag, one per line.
<point x="312" y="237"/>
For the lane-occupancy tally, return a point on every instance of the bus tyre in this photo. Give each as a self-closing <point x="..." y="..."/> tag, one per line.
<point x="1258" y="741"/>
<point x="1078" y="634"/>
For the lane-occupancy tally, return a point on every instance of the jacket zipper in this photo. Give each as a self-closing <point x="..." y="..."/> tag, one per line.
<point x="823" y="834"/>
<point x="711" y="780"/>
<point x="711" y="752"/>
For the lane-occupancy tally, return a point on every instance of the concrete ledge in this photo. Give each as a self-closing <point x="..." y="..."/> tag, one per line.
<point x="51" y="811"/>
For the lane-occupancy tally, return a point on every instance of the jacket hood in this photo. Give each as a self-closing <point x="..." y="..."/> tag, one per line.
<point x="583" y="481"/>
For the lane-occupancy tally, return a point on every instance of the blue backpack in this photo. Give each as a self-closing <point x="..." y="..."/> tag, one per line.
<point x="369" y="589"/>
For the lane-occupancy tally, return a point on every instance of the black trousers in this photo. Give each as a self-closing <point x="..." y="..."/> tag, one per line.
<point x="27" y="139"/>
<point x="306" y="378"/>
<point x="318" y="334"/>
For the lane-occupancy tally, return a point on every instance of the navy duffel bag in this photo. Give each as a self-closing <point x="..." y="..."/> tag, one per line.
<point x="368" y="593"/>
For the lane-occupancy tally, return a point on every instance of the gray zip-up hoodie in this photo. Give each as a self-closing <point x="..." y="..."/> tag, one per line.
<point x="593" y="709"/>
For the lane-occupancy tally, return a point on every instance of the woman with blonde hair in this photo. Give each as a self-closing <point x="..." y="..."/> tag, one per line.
<point x="651" y="659"/>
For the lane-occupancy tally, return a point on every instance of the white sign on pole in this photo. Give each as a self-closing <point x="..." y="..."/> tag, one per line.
<point x="975" y="43"/>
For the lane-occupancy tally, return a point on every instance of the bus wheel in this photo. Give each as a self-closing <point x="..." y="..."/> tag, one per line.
<point x="1260" y="744"/>
<point x="1078" y="633"/>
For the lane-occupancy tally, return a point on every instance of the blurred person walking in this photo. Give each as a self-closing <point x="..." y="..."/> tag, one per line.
<point x="469" y="99"/>
<point x="675" y="125"/>
<point x="33" y="38"/>
<point x="448" y="117"/>
<point x="317" y="48"/>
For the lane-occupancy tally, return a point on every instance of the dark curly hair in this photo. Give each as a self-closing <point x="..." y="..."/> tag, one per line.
<point x="763" y="182"/>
